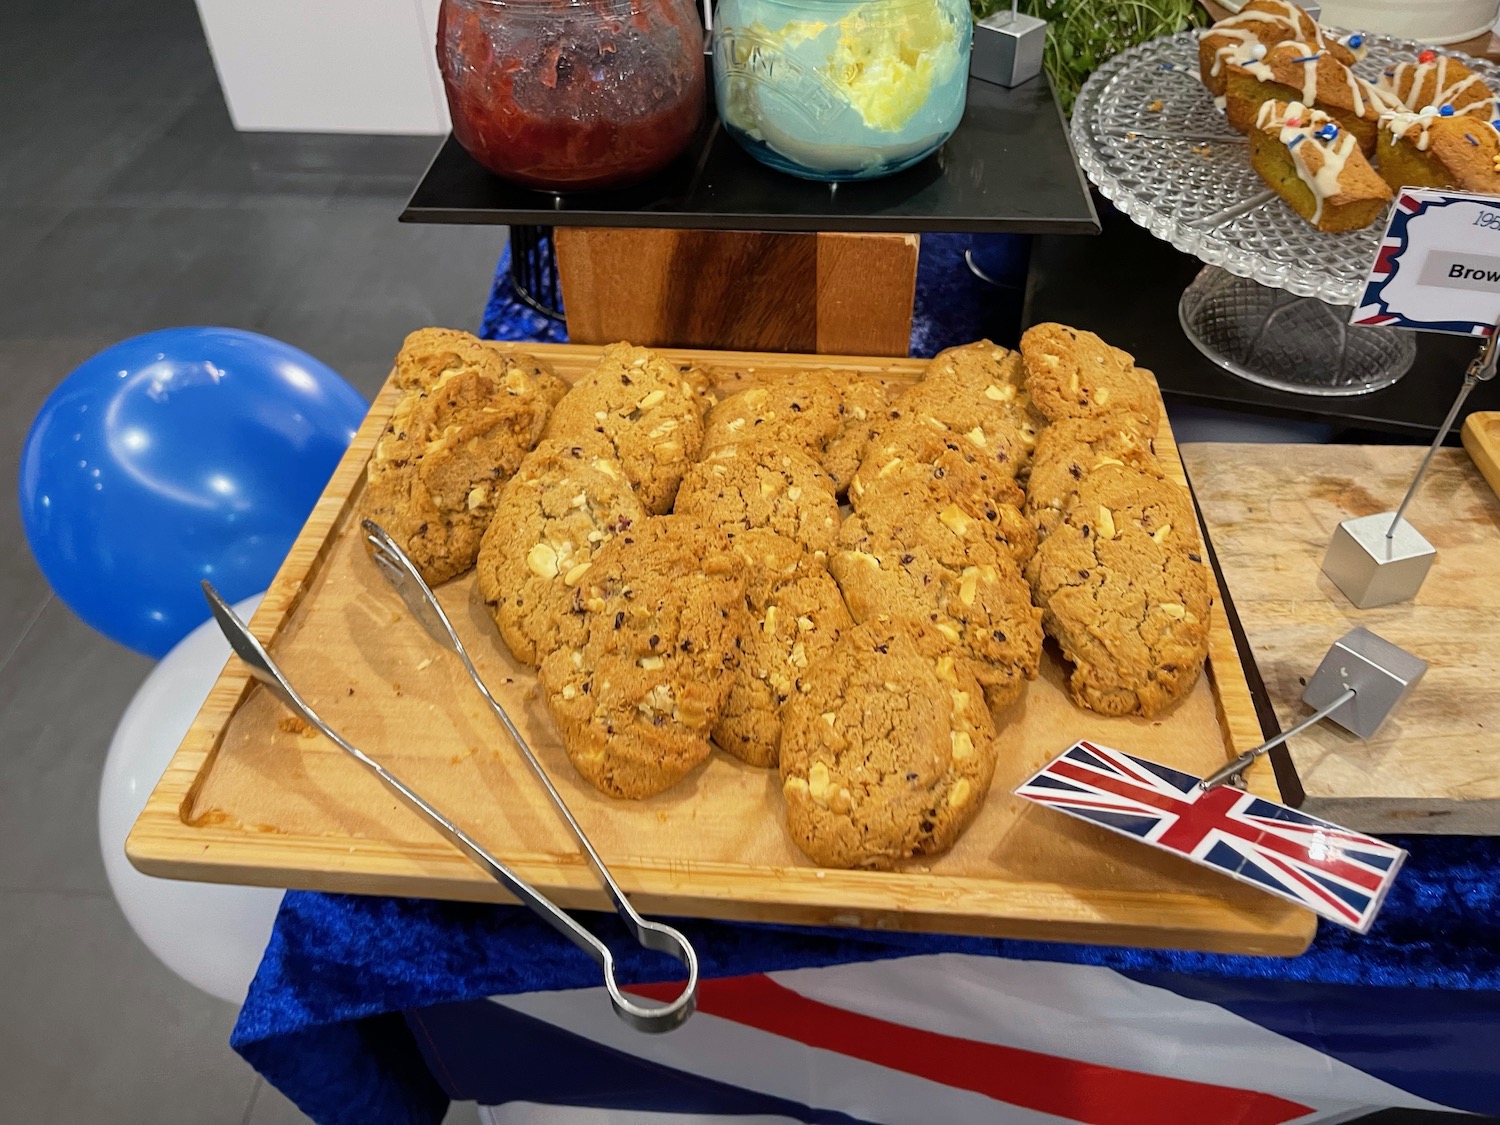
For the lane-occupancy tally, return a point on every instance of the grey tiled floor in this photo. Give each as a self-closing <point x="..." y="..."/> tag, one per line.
<point x="127" y="203"/>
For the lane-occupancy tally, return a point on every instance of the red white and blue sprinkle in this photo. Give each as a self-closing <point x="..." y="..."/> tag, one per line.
<point x="1446" y="111"/>
<point x="1472" y="139"/>
<point x="1297" y="140"/>
<point x="1356" y="41"/>
<point x="1309" y="58"/>
<point x="1327" y="132"/>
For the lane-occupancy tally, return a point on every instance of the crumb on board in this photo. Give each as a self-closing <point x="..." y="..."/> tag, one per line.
<point x="349" y="690"/>
<point x="1155" y="107"/>
<point x="425" y="662"/>
<point x="1203" y="150"/>
<point x="291" y="724"/>
<point x="661" y="815"/>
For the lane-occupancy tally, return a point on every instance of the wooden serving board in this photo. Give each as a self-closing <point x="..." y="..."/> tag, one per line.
<point x="1482" y="440"/>
<point x="248" y="800"/>
<point x="1271" y="511"/>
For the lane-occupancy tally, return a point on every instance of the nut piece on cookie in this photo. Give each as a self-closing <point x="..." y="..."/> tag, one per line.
<point x="796" y="617"/>
<point x="648" y="655"/>
<point x="1074" y="374"/>
<point x="568" y="499"/>
<point x="1124" y="591"/>
<point x="651" y="411"/>
<point x="762" y="484"/>
<point x="941" y="569"/>
<point x="888" y="754"/>
<point x="468" y="413"/>
<point x="1068" y="451"/>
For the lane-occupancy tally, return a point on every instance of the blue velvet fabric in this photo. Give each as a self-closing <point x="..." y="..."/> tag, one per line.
<point x="322" y="1021"/>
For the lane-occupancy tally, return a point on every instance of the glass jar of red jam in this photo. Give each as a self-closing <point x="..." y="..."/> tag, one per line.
<point x="573" y="95"/>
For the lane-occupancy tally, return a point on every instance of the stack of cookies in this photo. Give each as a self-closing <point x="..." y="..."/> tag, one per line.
<point x="1119" y="571"/>
<point x="809" y="575"/>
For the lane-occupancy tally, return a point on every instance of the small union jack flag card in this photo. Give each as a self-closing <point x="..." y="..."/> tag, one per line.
<point x="1339" y="874"/>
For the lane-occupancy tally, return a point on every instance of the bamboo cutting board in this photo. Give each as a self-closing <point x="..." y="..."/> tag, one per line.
<point x="1271" y="510"/>
<point x="1482" y="440"/>
<point x="247" y="798"/>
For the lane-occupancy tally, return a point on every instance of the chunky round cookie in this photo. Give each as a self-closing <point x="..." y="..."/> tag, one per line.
<point x="888" y="754"/>
<point x="912" y="466"/>
<point x="1069" y="451"/>
<point x="941" y="569"/>
<point x="466" y="417"/>
<point x="568" y="499"/>
<point x="1124" y="591"/>
<point x="1074" y="374"/>
<point x="799" y="411"/>
<point x="648" y="656"/>
<point x="863" y="403"/>
<point x="985" y="373"/>
<point x="761" y="484"/>
<point x="650" y="409"/>
<point x="796" y="617"/>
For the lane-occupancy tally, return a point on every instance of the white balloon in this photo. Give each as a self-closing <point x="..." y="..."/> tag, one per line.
<point x="210" y="934"/>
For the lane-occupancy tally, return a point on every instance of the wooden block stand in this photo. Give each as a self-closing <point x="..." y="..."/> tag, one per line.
<point x="848" y="294"/>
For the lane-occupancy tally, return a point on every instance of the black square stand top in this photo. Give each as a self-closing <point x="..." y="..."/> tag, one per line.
<point x="1008" y="167"/>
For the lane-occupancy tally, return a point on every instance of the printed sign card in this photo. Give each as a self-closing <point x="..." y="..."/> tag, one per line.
<point x="1438" y="268"/>
<point x="1336" y="872"/>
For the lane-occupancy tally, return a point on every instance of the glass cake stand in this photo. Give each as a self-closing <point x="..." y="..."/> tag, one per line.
<point x="1274" y="301"/>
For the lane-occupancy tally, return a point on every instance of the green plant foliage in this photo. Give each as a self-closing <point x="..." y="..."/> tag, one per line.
<point x="1082" y="34"/>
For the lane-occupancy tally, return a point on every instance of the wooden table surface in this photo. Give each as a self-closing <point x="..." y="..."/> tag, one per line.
<point x="1271" y="510"/>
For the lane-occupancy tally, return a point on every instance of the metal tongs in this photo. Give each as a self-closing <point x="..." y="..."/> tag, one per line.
<point x="392" y="562"/>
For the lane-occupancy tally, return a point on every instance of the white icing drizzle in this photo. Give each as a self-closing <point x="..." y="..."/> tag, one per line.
<point x="1400" y="124"/>
<point x="1237" y="51"/>
<point x="1296" y="130"/>
<point x="1409" y="77"/>
<point x="1236" y="28"/>
<point x="1362" y="95"/>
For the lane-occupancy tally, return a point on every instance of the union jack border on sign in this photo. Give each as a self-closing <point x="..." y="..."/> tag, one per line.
<point x="1339" y="874"/>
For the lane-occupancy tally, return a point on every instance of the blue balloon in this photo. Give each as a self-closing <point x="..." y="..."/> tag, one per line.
<point x="179" y="455"/>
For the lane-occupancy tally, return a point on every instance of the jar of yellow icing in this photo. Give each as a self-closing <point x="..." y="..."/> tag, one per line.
<point x="841" y="89"/>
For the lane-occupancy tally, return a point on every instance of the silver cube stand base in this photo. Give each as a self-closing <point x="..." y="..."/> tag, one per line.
<point x="1298" y="344"/>
<point x="1381" y="674"/>
<point x="1373" y="570"/>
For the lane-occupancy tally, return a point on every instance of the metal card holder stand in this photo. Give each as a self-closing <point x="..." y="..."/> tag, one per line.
<point x="1362" y="679"/>
<point x="1381" y="559"/>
